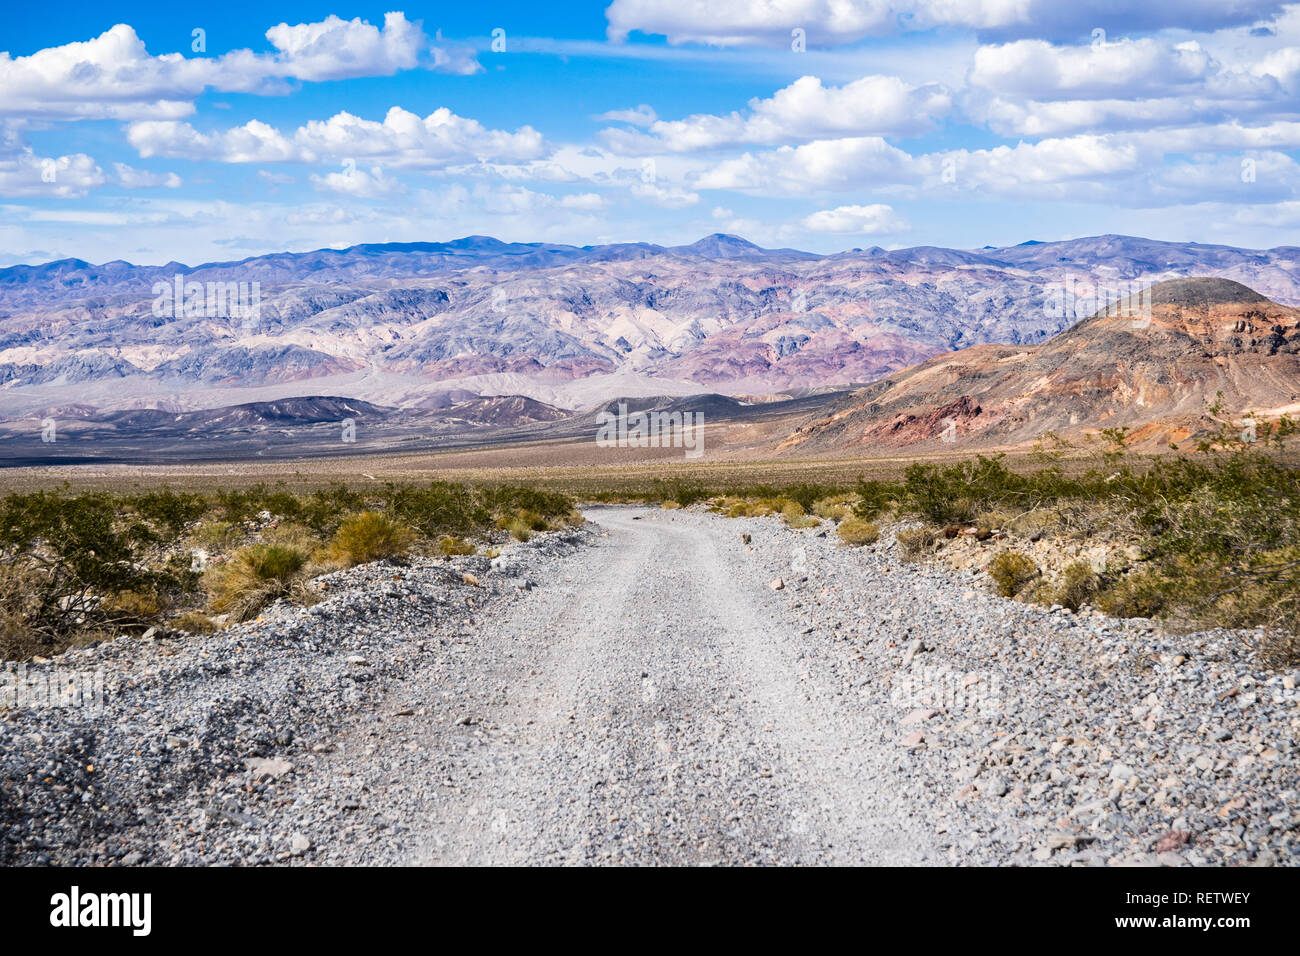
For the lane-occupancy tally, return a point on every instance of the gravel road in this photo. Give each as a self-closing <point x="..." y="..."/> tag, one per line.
<point x="642" y="691"/>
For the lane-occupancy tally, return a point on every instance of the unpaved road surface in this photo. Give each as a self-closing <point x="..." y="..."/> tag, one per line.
<point x="636" y="691"/>
<point x="656" y="704"/>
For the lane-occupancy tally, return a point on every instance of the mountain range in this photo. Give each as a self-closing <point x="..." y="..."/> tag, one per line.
<point x="411" y="325"/>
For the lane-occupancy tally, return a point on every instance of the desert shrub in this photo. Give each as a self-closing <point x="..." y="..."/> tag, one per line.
<point x="1078" y="586"/>
<point x="20" y="602"/>
<point x="168" y="511"/>
<point x="1146" y="593"/>
<point x="682" y="491"/>
<point x="670" y="505"/>
<point x="369" y="536"/>
<point x="806" y="494"/>
<point x="442" y="507"/>
<point x="1280" y="649"/>
<point x="449" y="545"/>
<point x="873" y="497"/>
<point x="254" y="577"/>
<point x="325" y="509"/>
<point x="834" y="508"/>
<point x="72" y="552"/>
<point x="1011" y="571"/>
<point x="915" y="542"/>
<point x="245" y="504"/>
<point x="855" y="532"/>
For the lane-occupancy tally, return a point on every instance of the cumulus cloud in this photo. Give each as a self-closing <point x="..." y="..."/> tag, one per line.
<point x="402" y="139"/>
<point x="769" y="22"/>
<point x="1034" y="88"/>
<point x="1052" y="168"/>
<point x="821" y="164"/>
<point x="454" y="59"/>
<point x="361" y="183"/>
<point x="803" y="111"/>
<point x="1142" y="67"/>
<point x="23" y="173"/>
<point x="130" y="178"/>
<point x="642" y="115"/>
<point x="113" y="76"/>
<point x="336" y="49"/>
<point x="869" y="220"/>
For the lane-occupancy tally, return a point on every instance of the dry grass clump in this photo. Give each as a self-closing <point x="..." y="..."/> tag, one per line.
<point x="370" y="536"/>
<point x="449" y="545"/>
<point x="1078" y="586"/>
<point x="855" y="532"/>
<point x="194" y="622"/>
<point x="914" y="543"/>
<point x="254" y="577"/>
<point x="793" y="515"/>
<point x="1011" y="571"/>
<point x="834" y="508"/>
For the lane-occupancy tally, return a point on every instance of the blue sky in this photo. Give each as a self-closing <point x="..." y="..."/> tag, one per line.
<point x="806" y="123"/>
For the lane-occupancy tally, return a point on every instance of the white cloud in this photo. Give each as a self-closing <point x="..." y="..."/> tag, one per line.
<point x="336" y="49"/>
<point x="254" y="142"/>
<point x="23" y="173"/>
<point x="642" y="115"/>
<point x="362" y="184"/>
<point x="454" y="59"/>
<point x="130" y="178"/>
<point x="669" y="197"/>
<point x="1034" y="88"/>
<point x="769" y="22"/>
<point x="803" y="111"/>
<point x="403" y="139"/>
<point x="1143" y="67"/>
<point x="821" y="164"/>
<point x="113" y="76"/>
<point x="1053" y="168"/>
<point x="869" y="220"/>
<point x="587" y="202"/>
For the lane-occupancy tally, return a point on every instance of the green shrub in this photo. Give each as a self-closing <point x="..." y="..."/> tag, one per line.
<point x="168" y="511"/>
<point x="874" y="497"/>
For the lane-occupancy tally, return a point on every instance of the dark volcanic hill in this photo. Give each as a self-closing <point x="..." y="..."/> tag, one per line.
<point x="1151" y="369"/>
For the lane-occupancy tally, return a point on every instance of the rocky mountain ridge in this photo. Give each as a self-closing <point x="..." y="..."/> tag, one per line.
<point x="399" y="324"/>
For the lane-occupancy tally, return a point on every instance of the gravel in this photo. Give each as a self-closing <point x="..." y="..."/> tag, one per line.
<point x="638" y="691"/>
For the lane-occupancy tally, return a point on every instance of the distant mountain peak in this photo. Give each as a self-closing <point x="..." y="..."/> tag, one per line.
<point x="722" y="245"/>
